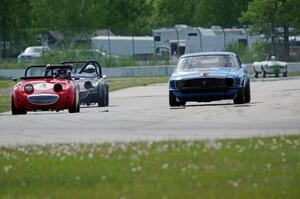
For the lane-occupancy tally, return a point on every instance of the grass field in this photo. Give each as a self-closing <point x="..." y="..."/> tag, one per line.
<point x="120" y="83"/>
<point x="248" y="168"/>
<point x="6" y="83"/>
<point x="4" y="103"/>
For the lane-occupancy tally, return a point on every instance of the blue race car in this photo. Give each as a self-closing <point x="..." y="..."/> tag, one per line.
<point x="209" y="76"/>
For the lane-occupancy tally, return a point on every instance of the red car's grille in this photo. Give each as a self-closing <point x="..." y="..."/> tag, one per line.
<point x="43" y="99"/>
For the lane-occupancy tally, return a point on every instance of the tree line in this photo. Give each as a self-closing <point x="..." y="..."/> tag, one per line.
<point x="22" y="20"/>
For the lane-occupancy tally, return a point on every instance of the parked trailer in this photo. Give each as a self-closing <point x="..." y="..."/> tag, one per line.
<point x="185" y="39"/>
<point x="124" y="46"/>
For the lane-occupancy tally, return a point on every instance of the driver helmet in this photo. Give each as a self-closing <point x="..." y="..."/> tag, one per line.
<point x="90" y="69"/>
<point x="61" y="73"/>
<point x="273" y="58"/>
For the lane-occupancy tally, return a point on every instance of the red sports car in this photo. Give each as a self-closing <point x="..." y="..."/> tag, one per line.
<point x="54" y="90"/>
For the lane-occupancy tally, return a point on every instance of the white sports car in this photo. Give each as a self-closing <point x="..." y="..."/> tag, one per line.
<point x="270" y="67"/>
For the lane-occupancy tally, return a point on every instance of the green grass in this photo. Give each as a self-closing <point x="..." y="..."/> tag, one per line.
<point x="294" y="74"/>
<point x="120" y="83"/>
<point x="248" y="168"/>
<point x="4" y="102"/>
<point x="5" y="83"/>
<point x="11" y="65"/>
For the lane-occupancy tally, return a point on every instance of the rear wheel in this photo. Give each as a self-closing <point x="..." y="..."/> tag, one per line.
<point x="173" y="101"/>
<point x="256" y="75"/>
<point x="15" y="110"/>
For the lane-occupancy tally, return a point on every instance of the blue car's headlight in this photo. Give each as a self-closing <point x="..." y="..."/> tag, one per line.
<point x="179" y="84"/>
<point x="172" y="84"/>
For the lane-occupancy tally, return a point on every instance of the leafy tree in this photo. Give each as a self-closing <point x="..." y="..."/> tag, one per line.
<point x="266" y="16"/>
<point x="224" y="13"/>
<point x="171" y="12"/>
<point x="13" y="19"/>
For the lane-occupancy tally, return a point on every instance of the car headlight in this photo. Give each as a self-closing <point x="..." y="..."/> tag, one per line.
<point x="179" y="84"/>
<point x="88" y="85"/>
<point x="172" y="84"/>
<point x="28" y="88"/>
<point x="57" y="87"/>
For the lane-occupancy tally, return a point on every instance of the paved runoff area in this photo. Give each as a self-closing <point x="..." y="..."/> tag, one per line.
<point x="143" y="113"/>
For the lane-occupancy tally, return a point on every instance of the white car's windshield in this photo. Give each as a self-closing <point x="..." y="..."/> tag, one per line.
<point x="205" y="61"/>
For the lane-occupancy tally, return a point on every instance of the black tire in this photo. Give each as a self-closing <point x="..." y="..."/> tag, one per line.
<point x="285" y="74"/>
<point x="15" y="110"/>
<point x="76" y="105"/>
<point x="256" y="75"/>
<point x="173" y="101"/>
<point x="102" y="99"/>
<point x="263" y="72"/>
<point x="247" y="93"/>
<point x="107" y="98"/>
<point x="276" y="75"/>
<point x="240" y="97"/>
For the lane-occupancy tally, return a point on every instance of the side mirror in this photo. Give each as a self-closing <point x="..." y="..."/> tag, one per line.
<point x="14" y="79"/>
<point x="245" y="68"/>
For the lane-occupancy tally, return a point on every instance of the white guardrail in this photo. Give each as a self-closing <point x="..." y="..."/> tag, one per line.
<point x="134" y="71"/>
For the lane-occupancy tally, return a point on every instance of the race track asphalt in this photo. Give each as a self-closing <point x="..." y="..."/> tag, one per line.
<point x="143" y="113"/>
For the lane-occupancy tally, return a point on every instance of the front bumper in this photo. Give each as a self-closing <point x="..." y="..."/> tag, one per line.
<point x="43" y="101"/>
<point x="206" y="95"/>
<point x="205" y="89"/>
<point x="89" y="96"/>
<point x="275" y="69"/>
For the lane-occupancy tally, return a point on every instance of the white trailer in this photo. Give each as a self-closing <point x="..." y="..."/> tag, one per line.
<point x="124" y="46"/>
<point x="184" y="39"/>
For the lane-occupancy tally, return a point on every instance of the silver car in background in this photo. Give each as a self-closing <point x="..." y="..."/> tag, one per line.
<point x="32" y="53"/>
<point x="94" y="87"/>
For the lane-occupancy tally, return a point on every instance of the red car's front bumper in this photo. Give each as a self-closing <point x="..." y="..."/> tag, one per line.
<point x="32" y="102"/>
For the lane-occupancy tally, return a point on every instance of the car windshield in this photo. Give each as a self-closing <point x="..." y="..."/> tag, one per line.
<point x="34" y="50"/>
<point x="205" y="62"/>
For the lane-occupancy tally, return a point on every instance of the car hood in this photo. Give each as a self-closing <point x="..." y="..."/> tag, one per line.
<point x="30" y="55"/>
<point x="212" y="72"/>
<point x="270" y="63"/>
<point x="42" y="85"/>
<point x="84" y="79"/>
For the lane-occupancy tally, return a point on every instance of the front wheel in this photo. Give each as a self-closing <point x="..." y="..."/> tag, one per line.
<point x="240" y="97"/>
<point x="15" y="110"/>
<point x="173" y="101"/>
<point x="285" y="74"/>
<point x="76" y="104"/>
<point x="247" y="93"/>
<point x="107" y="98"/>
<point x="102" y="99"/>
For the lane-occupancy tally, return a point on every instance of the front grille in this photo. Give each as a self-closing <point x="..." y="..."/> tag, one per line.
<point x="43" y="99"/>
<point x="237" y="81"/>
<point x="208" y="83"/>
<point x="83" y="94"/>
<point x="202" y="91"/>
